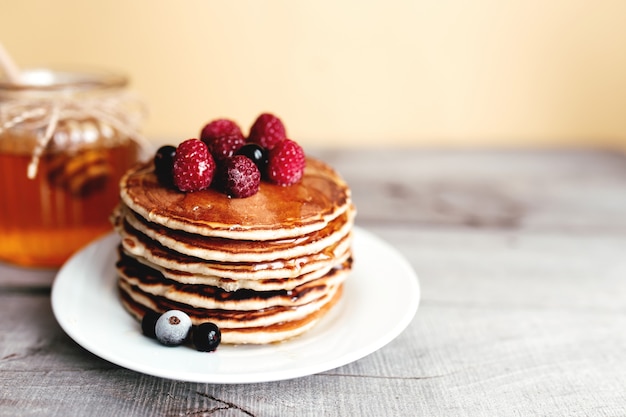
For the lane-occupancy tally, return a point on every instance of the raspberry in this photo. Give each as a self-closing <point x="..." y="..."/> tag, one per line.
<point x="257" y="154"/>
<point x="267" y="131"/>
<point x="224" y="147"/>
<point x="193" y="166"/>
<point x="241" y="177"/>
<point x="286" y="162"/>
<point x="218" y="128"/>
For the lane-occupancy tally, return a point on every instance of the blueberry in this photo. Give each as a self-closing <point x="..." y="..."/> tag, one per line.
<point x="172" y="328"/>
<point x="148" y="323"/>
<point x="207" y="337"/>
<point x="256" y="153"/>
<point x="164" y="163"/>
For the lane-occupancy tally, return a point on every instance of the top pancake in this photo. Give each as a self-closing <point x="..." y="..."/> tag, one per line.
<point x="274" y="212"/>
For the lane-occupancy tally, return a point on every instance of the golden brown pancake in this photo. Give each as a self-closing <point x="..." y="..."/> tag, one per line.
<point x="277" y="274"/>
<point x="231" y="250"/>
<point x="263" y="268"/>
<point x="248" y="335"/>
<point x="147" y="289"/>
<point x="275" y="212"/>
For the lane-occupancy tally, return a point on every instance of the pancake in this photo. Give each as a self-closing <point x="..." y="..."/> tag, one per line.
<point x="141" y="246"/>
<point x="221" y="249"/>
<point x="259" y="282"/>
<point x="275" y="212"/>
<point x="269" y="313"/>
<point x="258" y="303"/>
<point x="249" y="335"/>
<point x="264" y="268"/>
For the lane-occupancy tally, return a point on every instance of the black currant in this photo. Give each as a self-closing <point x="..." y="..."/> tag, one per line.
<point x="207" y="337"/>
<point x="164" y="163"/>
<point x="148" y="323"/>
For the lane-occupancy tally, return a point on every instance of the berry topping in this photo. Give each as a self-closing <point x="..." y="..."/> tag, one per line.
<point x="224" y="147"/>
<point x="148" y="323"/>
<point x="286" y="163"/>
<point x="197" y="164"/>
<point x="256" y="153"/>
<point x="172" y="328"/>
<point x="267" y="131"/>
<point x="164" y="163"/>
<point x="193" y="166"/>
<point x="241" y="177"/>
<point x="218" y="128"/>
<point x="207" y="337"/>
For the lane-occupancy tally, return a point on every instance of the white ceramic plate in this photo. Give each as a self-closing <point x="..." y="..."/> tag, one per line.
<point x="380" y="298"/>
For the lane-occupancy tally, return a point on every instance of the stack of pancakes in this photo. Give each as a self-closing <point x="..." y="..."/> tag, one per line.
<point x="263" y="268"/>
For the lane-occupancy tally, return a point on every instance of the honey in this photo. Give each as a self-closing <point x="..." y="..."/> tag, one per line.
<point x="63" y="150"/>
<point x="43" y="220"/>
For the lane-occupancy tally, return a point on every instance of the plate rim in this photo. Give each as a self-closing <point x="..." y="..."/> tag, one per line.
<point x="361" y="237"/>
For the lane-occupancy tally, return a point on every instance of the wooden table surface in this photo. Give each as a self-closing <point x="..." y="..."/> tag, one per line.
<point x="521" y="258"/>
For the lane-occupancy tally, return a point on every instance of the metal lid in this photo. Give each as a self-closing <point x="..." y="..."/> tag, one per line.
<point x="45" y="79"/>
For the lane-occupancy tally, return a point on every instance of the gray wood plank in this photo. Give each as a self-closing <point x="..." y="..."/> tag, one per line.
<point x="566" y="190"/>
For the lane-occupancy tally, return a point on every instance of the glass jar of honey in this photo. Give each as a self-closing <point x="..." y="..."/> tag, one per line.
<point x="66" y="138"/>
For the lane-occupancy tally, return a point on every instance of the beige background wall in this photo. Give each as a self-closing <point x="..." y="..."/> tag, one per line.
<point x="434" y="73"/>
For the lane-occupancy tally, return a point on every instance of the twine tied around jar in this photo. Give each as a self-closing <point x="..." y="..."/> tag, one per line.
<point x="26" y="108"/>
<point x="122" y="112"/>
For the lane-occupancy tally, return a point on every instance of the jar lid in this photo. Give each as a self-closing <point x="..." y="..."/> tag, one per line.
<point x="45" y="79"/>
